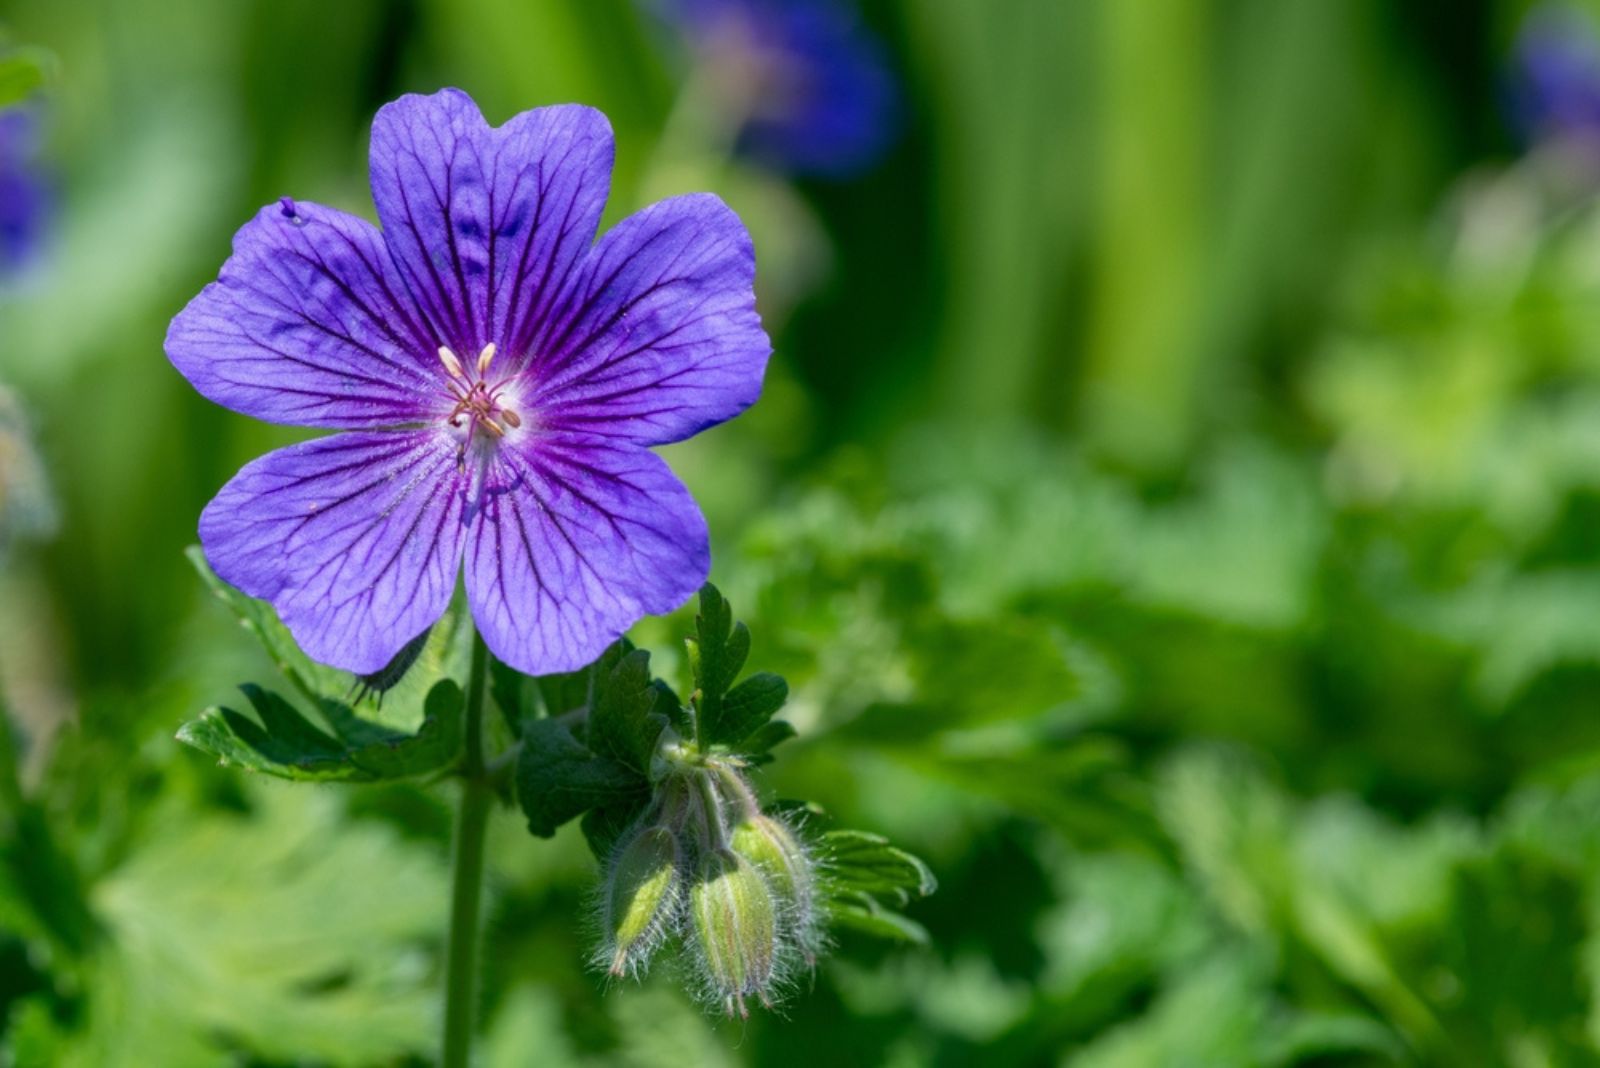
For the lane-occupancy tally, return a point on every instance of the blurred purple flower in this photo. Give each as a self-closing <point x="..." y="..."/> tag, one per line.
<point x="813" y="82"/>
<point x="1555" y="83"/>
<point x="24" y="194"/>
<point x="500" y="378"/>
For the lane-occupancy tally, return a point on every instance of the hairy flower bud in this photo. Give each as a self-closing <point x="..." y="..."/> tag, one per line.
<point x="642" y="895"/>
<point x="778" y="853"/>
<point x="735" y="929"/>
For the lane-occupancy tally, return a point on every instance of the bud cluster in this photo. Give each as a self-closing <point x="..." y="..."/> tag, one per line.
<point x="706" y="868"/>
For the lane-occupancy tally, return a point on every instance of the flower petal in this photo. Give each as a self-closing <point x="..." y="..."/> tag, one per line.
<point x="355" y="539"/>
<point x="659" y="337"/>
<point x="308" y="324"/>
<point x="577" y="539"/>
<point x="486" y="223"/>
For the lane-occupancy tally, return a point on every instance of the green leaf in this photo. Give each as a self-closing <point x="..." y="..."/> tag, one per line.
<point x="434" y="747"/>
<point x="759" y="745"/>
<point x="670" y="708"/>
<point x="559" y="779"/>
<point x="862" y="871"/>
<point x="564" y="692"/>
<point x="867" y="863"/>
<point x="716" y="655"/>
<point x="401" y="703"/>
<point x="287" y="745"/>
<point x="284" y="743"/>
<point x="862" y="913"/>
<point x="748" y="707"/>
<point x="43" y="898"/>
<point x="292" y="933"/>
<point x="312" y="679"/>
<point x="622" y="721"/>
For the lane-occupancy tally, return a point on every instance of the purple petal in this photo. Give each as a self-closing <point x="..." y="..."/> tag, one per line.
<point x="577" y="539"/>
<point x="355" y="538"/>
<point x="487" y="223"/>
<point x="308" y="324"/>
<point x="659" y="337"/>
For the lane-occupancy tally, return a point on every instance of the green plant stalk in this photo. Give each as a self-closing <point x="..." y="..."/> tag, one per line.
<point x="466" y="894"/>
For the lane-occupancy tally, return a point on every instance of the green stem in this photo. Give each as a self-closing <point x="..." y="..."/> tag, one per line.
<point x="461" y="949"/>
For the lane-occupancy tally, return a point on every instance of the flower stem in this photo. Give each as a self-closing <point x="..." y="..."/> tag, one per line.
<point x="466" y="894"/>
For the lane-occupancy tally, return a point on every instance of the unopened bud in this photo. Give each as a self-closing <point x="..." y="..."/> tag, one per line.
<point x="735" y="928"/>
<point x="777" y="852"/>
<point x="642" y="894"/>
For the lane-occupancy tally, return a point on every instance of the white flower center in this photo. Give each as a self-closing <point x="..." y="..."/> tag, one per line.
<point x="478" y="404"/>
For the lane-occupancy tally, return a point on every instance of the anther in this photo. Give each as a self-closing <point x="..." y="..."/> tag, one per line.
<point x="512" y="419"/>
<point x="484" y="358"/>
<point x="451" y="363"/>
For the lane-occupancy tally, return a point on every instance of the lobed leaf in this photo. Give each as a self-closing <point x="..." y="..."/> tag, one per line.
<point x="716" y="655"/>
<point x="287" y="745"/>
<point x="623" y="724"/>
<point x="860" y="873"/>
<point x="747" y="708"/>
<point x="864" y="914"/>
<point x="867" y="863"/>
<point x="757" y="748"/>
<point x="312" y="679"/>
<point x="559" y="778"/>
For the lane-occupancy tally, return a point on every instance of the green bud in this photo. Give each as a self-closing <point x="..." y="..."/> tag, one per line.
<point x="777" y="852"/>
<point x="735" y="928"/>
<point x="642" y="895"/>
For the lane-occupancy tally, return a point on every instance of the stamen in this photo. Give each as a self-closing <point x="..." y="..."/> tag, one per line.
<point x="476" y="403"/>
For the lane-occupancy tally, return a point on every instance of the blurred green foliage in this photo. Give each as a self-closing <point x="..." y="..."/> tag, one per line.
<point x="1175" y="507"/>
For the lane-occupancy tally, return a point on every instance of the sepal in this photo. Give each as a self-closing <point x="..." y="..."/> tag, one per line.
<point x="641" y="897"/>
<point x="735" y="928"/>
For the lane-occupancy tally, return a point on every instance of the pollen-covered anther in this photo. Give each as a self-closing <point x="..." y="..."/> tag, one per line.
<point x="477" y="402"/>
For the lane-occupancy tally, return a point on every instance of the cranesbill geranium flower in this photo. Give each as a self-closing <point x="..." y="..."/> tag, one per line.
<point x="24" y="196"/>
<point x="812" y="81"/>
<point x="1555" y="79"/>
<point x="498" y="376"/>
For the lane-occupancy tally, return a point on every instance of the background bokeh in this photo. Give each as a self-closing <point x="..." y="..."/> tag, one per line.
<point x="1175" y="504"/>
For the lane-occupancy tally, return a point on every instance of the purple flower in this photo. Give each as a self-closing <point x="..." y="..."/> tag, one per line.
<point x="1555" y="87"/>
<point x="499" y="377"/>
<point x="814" y="83"/>
<point x="24" y="197"/>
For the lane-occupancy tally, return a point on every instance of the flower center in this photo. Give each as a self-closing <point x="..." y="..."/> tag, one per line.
<point x="478" y="404"/>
